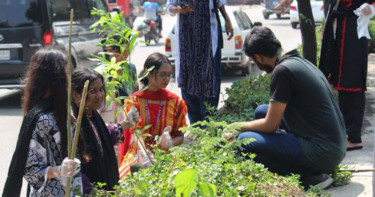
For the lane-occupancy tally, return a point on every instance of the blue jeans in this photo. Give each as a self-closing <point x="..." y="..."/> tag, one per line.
<point x="279" y="152"/>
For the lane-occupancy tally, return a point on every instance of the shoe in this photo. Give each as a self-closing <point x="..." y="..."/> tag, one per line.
<point x="354" y="148"/>
<point x="320" y="181"/>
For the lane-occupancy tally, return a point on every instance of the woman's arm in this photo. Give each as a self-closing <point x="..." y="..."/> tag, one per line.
<point x="173" y="8"/>
<point x="38" y="168"/>
<point x="228" y="23"/>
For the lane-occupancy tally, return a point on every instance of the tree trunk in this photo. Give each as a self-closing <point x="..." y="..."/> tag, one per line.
<point x="307" y="25"/>
<point x="326" y="6"/>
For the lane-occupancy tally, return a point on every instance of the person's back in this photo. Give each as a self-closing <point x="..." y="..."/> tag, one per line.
<point x="151" y="9"/>
<point x="312" y="113"/>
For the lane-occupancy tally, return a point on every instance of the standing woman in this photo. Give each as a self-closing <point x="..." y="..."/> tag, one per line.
<point x="199" y="41"/>
<point x="158" y="107"/>
<point x="99" y="162"/>
<point x="343" y="59"/>
<point x="42" y="142"/>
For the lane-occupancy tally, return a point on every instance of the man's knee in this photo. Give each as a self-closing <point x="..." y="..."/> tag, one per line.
<point x="261" y="111"/>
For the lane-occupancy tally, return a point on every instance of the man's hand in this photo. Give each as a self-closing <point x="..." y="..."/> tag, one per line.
<point x="229" y="135"/>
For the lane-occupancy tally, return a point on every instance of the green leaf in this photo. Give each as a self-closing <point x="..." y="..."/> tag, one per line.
<point x="185" y="182"/>
<point x="207" y="189"/>
<point x="146" y="127"/>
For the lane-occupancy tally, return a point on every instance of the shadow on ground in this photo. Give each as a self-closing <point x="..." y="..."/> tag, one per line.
<point x="10" y="103"/>
<point x="355" y="189"/>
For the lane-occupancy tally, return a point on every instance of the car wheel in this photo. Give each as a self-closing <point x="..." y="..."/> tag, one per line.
<point x="266" y="16"/>
<point x="156" y="39"/>
<point x="245" y="71"/>
<point x="294" y="25"/>
<point x="278" y="16"/>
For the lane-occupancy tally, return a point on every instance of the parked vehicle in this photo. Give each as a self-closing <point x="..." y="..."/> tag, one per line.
<point x="232" y="54"/>
<point x="270" y="5"/>
<point x="147" y="28"/>
<point x="28" y="25"/>
<point x="317" y="7"/>
<point x="126" y="7"/>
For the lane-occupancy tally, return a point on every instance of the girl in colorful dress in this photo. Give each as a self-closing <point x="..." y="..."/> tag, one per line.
<point x="157" y="107"/>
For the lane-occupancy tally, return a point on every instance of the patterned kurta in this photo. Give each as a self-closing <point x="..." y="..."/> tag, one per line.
<point x="158" y="109"/>
<point x="45" y="152"/>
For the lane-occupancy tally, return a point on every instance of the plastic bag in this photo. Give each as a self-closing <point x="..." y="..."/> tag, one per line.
<point x="166" y="141"/>
<point x="144" y="157"/>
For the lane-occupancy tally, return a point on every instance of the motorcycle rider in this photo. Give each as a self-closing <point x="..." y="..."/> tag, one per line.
<point x="151" y="12"/>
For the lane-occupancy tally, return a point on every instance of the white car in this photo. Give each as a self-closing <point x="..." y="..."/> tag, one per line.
<point x="232" y="54"/>
<point x="317" y="7"/>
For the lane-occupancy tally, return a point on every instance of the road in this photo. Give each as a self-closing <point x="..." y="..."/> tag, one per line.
<point x="10" y="100"/>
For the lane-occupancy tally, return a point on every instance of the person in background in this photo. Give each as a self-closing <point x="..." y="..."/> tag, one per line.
<point x="343" y="60"/>
<point x="151" y="9"/>
<point x="99" y="162"/>
<point x="157" y="107"/>
<point x="41" y="151"/>
<point x="198" y="46"/>
<point x="303" y="100"/>
<point x="125" y="88"/>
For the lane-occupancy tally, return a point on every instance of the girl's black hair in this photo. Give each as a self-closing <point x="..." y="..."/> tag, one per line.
<point x="80" y="75"/>
<point x="155" y="60"/>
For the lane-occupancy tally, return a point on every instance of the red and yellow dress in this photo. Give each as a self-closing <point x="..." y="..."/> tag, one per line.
<point x="158" y="109"/>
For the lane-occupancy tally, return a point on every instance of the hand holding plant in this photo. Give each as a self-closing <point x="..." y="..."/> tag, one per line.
<point x="229" y="134"/>
<point x="131" y="118"/>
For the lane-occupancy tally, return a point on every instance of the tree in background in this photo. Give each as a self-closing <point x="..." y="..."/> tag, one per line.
<point x="307" y="25"/>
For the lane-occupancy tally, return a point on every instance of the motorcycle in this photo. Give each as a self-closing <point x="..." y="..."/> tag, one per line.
<point x="147" y="28"/>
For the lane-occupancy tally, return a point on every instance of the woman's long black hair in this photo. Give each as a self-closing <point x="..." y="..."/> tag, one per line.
<point x="47" y="73"/>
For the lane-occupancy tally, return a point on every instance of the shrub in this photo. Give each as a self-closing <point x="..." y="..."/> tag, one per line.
<point x="243" y="97"/>
<point x="209" y="167"/>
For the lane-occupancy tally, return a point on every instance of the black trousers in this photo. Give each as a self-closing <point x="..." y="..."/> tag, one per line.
<point x="352" y="106"/>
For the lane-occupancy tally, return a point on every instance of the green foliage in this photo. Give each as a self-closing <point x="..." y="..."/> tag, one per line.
<point x="209" y="167"/>
<point x="243" y="97"/>
<point x="371" y="28"/>
<point x="341" y="177"/>
<point x="110" y="26"/>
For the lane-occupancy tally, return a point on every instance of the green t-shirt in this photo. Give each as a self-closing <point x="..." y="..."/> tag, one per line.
<point x="312" y="113"/>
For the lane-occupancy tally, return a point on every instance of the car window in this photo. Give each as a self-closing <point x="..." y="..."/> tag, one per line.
<point x="239" y="21"/>
<point x="20" y="13"/>
<point x="222" y="22"/>
<point x="246" y="21"/>
<point x="82" y="9"/>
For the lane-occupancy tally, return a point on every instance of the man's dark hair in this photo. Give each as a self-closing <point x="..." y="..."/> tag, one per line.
<point x="262" y="41"/>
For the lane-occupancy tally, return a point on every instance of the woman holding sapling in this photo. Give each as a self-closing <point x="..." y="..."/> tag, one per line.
<point x="99" y="162"/>
<point x="41" y="152"/>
